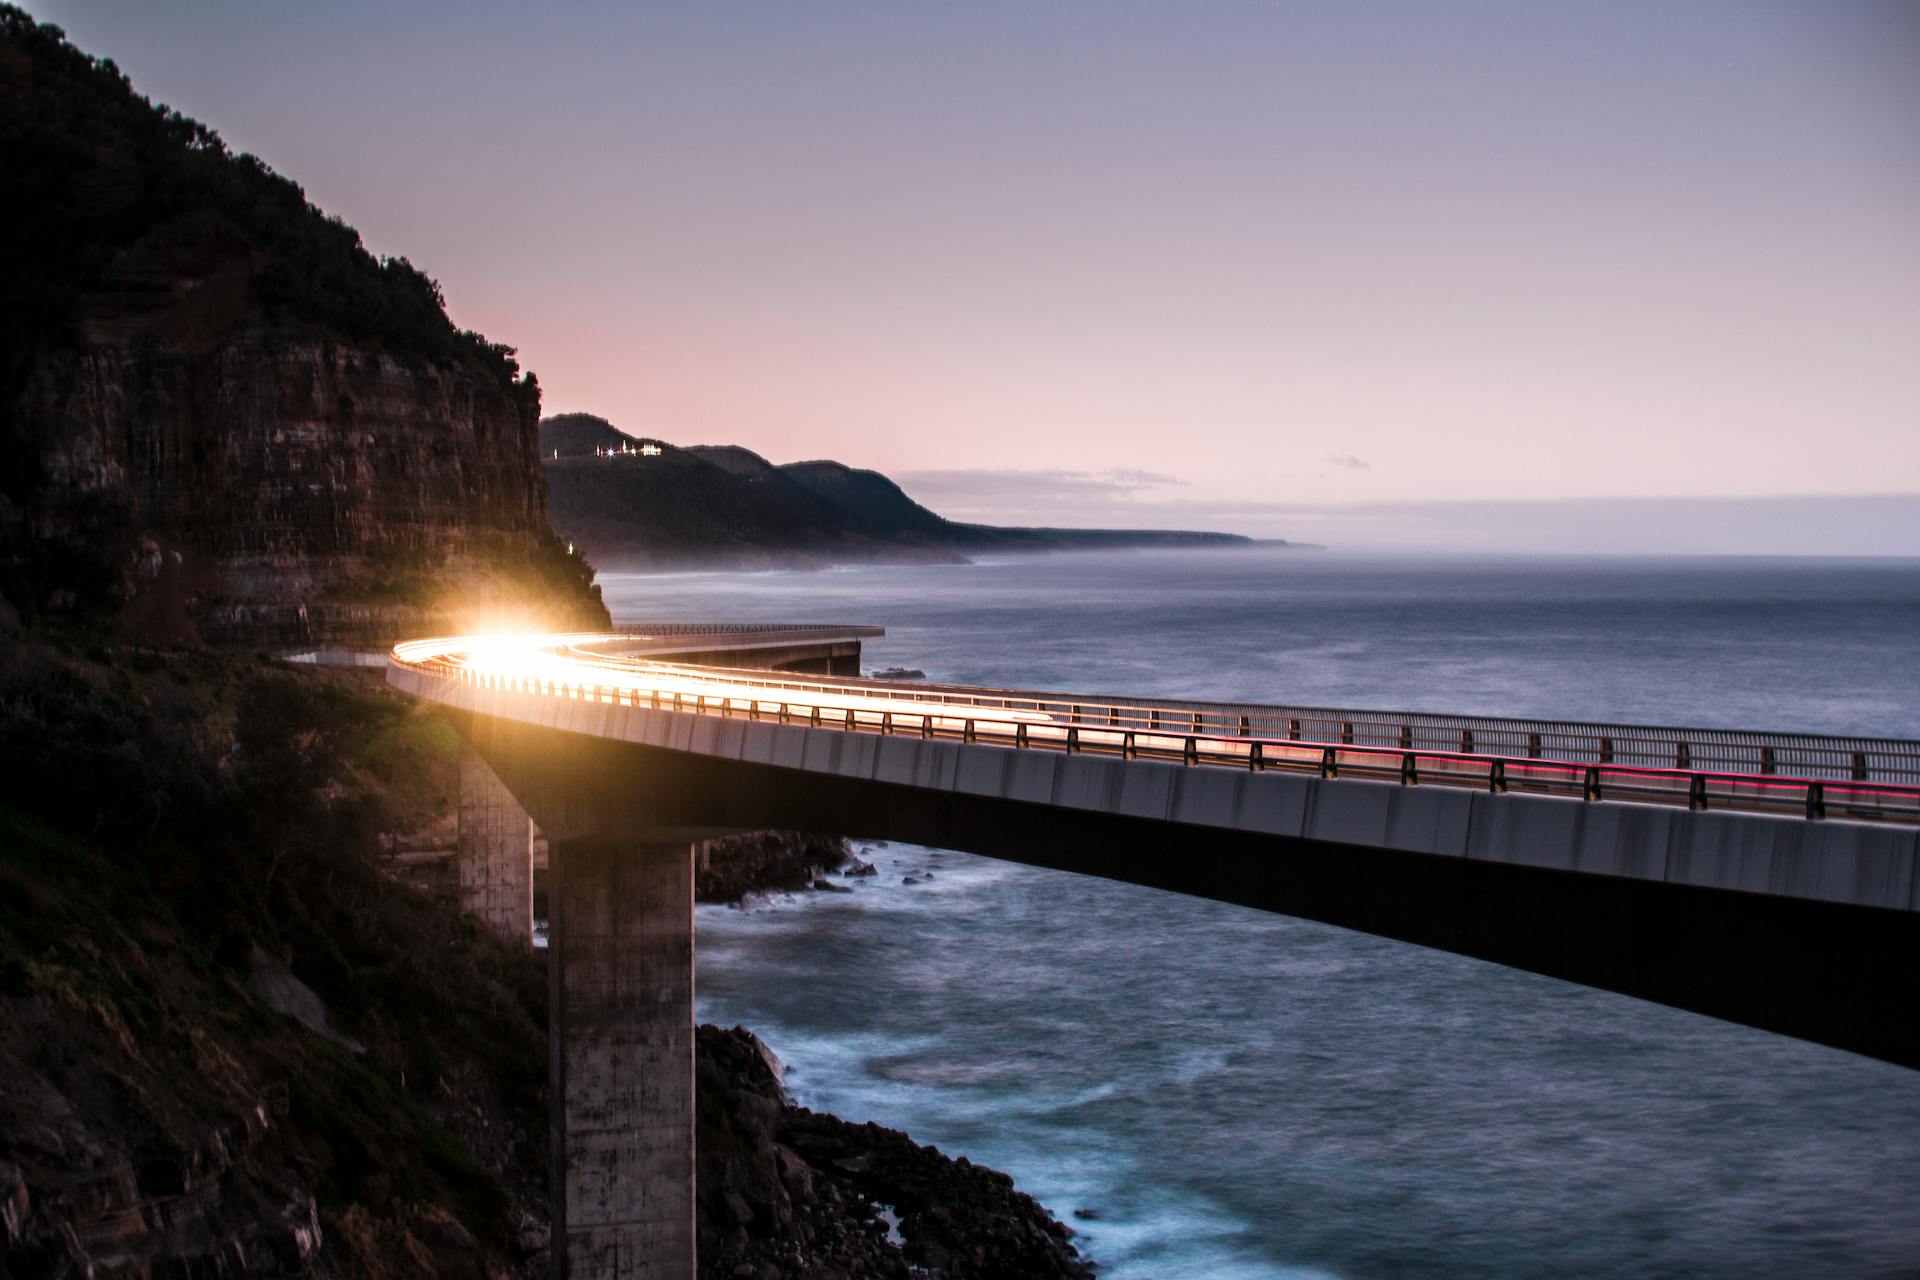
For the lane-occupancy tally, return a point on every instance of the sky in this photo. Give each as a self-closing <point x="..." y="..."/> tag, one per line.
<point x="1626" y="276"/>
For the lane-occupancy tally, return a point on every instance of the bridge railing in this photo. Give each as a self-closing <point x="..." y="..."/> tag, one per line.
<point x="1665" y="748"/>
<point x="1683" y="749"/>
<point x="798" y="630"/>
<point x="1152" y="732"/>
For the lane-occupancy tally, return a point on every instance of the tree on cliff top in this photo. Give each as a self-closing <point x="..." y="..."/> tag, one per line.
<point x="96" y="175"/>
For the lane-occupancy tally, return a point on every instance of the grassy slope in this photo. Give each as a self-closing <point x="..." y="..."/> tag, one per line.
<point x="154" y="837"/>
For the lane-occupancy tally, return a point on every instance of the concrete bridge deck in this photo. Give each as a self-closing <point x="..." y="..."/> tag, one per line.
<point x="1785" y="901"/>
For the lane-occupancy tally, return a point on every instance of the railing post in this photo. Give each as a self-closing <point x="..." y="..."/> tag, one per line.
<point x="1606" y="751"/>
<point x="1859" y="766"/>
<point x="1697" y="793"/>
<point x="1020" y="734"/>
<point x="1816" y="800"/>
<point x="1346" y="733"/>
<point x="851" y="726"/>
<point x="1533" y="746"/>
<point x="1113" y="716"/>
<point x="1293" y="731"/>
<point x="1406" y="737"/>
<point x="886" y="723"/>
<point x="1466" y="742"/>
<point x="1256" y="759"/>
<point x="784" y="713"/>
<point x="1073" y="741"/>
<point x="1129" y="749"/>
<point x="813" y="716"/>
<point x="1246" y="729"/>
<point x="926" y="725"/>
<point x="968" y="733"/>
<point x="1497" y="776"/>
<point x="1766" y="759"/>
<point x="1409" y="769"/>
<point x="1682" y="756"/>
<point x="1329" y="763"/>
<point x="1593" y="784"/>
<point x="1190" y="753"/>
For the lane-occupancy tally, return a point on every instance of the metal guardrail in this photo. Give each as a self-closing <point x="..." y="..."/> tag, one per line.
<point x="798" y="630"/>
<point x="1227" y="735"/>
<point x="1826" y="757"/>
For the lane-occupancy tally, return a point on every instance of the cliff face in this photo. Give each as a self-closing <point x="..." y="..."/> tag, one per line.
<point x="273" y="486"/>
<point x="221" y="417"/>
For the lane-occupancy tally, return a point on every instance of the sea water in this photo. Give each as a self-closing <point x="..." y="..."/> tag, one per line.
<point x="1209" y="1091"/>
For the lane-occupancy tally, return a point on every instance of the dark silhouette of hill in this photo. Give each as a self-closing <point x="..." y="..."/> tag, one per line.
<point x="722" y="505"/>
<point x="682" y="508"/>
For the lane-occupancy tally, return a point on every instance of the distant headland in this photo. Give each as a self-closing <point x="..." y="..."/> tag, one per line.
<point x="638" y="503"/>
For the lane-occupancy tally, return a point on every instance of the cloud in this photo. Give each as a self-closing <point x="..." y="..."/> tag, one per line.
<point x="963" y="493"/>
<point x="1141" y="478"/>
<point x="1347" y="462"/>
<point x="1867" y="524"/>
<point x="1787" y="525"/>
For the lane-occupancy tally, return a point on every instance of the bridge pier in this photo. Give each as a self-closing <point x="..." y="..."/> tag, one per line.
<point x="621" y="1057"/>
<point x="495" y="846"/>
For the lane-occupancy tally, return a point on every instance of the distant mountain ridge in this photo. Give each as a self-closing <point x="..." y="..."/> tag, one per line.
<point x="626" y="506"/>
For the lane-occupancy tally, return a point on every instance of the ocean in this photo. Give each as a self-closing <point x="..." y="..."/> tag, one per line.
<point x="1202" y="1090"/>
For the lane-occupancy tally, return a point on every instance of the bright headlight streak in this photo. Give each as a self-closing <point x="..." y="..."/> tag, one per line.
<point x="555" y="658"/>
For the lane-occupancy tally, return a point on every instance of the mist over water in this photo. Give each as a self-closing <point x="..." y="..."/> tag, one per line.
<point x="1239" y="1094"/>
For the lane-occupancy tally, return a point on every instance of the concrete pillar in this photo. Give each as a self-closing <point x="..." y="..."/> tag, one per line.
<point x="621" y="1040"/>
<point x="495" y="851"/>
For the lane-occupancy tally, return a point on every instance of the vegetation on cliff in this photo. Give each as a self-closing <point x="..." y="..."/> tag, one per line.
<point x="186" y="837"/>
<point x="222" y="416"/>
<point x="95" y="171"/>
<point x="176" y="829"/>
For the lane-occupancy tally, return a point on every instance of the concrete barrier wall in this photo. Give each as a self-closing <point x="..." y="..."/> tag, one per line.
<point x="1828" y="861"/>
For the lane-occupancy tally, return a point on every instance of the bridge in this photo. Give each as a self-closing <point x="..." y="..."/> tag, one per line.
<point x="1769" y="879"/>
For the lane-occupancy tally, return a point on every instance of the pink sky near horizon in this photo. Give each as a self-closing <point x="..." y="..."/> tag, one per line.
<point x="1387" y="253"/>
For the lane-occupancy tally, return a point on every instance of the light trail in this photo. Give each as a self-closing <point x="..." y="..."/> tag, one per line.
<point x="617" y="669"/>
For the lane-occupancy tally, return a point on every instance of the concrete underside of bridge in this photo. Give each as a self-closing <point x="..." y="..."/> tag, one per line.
<point x="1830" y="972"/>
<point x="1833" y="972"/>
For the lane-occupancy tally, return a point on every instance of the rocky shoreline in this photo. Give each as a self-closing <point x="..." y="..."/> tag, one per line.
<point x="730" y="869"/>
<point x="786" y="1193"/>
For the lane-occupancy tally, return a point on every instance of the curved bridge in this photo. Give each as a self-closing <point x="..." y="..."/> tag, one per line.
<point x="1770" y="879"/>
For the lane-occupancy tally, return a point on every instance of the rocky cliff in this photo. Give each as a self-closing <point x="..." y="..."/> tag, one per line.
<point x="279" y="488"/>
<point x="223" y="419"/>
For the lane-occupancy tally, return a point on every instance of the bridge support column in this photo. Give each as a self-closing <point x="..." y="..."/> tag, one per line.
<point x="621" y="1046"/>
<point x="495" y="852"/>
